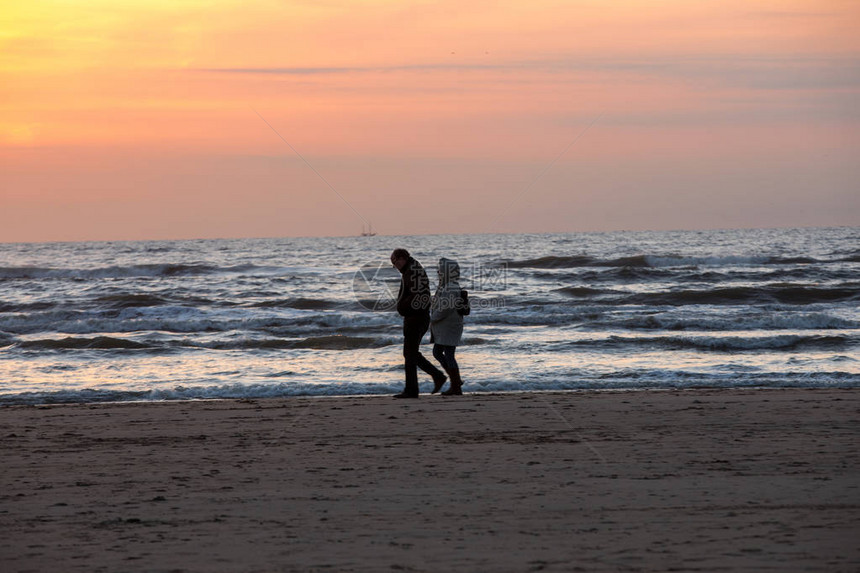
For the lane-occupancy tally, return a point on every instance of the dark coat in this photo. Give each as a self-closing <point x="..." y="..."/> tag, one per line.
<point x="414" y="296"/>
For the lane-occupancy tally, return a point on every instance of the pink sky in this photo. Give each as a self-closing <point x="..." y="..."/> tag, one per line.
<point x="138" y="121"/>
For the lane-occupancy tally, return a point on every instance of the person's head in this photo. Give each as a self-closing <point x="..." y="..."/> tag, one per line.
<point x="399" y="258"/>
<point x="449" y="271"/>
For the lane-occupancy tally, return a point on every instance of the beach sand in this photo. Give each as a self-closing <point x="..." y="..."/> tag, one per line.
<point x="698" y="480"/>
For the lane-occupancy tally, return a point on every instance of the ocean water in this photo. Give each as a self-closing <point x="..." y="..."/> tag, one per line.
<point x="161" y="320"/>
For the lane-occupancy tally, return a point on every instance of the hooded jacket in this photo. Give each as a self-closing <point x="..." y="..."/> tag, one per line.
<point x="414" y="296"/>
<point x="446" y="324"/>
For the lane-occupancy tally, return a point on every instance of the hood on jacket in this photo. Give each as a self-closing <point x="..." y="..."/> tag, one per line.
<point x="449" y="271"/>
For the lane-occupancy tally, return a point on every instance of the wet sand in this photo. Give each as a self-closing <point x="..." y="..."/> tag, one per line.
<point x="702" y="480"/>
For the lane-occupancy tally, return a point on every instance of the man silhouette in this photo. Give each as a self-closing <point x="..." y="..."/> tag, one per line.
<point x="413" y="304"/>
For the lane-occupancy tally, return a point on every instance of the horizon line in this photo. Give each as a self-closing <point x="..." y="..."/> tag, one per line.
<point x="476" y="234"/>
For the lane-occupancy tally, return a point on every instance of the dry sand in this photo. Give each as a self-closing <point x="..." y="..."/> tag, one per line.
<point x="700" y="480"/>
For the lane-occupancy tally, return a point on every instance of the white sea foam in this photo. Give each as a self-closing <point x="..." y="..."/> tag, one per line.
<point x="621" y="380"/>
<point x="742" y="321"/>
<point x="186" y="320"/>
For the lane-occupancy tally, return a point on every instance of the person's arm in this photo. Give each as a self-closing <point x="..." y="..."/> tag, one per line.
<point x="403" y="297"/>
<point x="409" y="288"/>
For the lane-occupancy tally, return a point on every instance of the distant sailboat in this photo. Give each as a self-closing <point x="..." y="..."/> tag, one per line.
<point x="367" y="232"/>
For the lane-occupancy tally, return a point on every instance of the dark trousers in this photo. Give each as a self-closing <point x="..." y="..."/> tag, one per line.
<point x="445" y="355"/>
<point x="414" y="328"/>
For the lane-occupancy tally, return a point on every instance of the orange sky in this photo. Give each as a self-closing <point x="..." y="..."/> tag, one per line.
<point x="136" y="120"/>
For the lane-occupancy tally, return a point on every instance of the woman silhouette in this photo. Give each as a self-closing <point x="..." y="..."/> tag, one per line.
<point x="446" y="324"/>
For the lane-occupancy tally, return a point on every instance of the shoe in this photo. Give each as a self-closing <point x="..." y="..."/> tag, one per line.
<point x="456" y="383"/>
<point x="405" y="395"/>
<point x="438" y="383"/>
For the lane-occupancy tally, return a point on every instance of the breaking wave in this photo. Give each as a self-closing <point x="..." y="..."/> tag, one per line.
<point x="132" y="271"/>
<point x="332" y="342"/>
<point x="299" y="303"/>
<point x="630" y="379"/>
<point x="659" y="261"/>
<point x="786" y="294"/>
<point x="743" y="321"/>
<point x="72" y="343"/>
<point x="783" y="342"/>
<point x="778" y="293"/>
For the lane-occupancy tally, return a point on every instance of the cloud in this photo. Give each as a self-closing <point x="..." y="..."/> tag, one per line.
<point x="300" y="71"/>
<point x="768" y="73"/>
<point x="762" y="72"/>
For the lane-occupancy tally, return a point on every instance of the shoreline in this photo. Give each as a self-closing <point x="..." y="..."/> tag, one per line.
<point x="427" y="395"/>
<point x="709" y="479"/>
